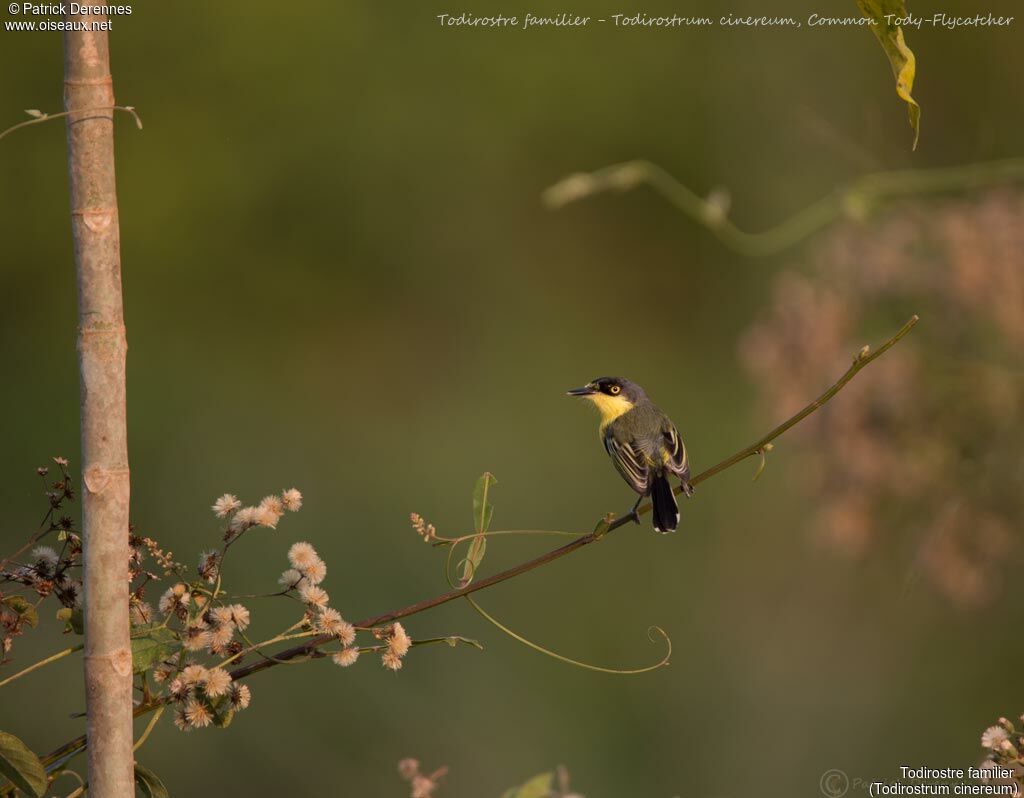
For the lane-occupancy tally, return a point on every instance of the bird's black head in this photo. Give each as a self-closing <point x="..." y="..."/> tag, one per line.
<point x="615" y="387"/>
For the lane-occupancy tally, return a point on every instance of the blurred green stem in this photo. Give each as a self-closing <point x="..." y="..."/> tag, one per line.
<point x="149" y="728"/>
<point x="42" y="662"/>
<point x="855" y="199"/>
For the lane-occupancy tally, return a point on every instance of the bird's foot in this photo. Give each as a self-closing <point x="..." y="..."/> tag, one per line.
<point x="687" y="489"/>
<point x="633" y="514"/>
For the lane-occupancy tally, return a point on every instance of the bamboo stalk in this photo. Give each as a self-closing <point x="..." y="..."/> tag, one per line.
<point x="102" y="349"/>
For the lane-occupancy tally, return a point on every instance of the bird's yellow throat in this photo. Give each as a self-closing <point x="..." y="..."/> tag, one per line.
<point x="610" y="407"/>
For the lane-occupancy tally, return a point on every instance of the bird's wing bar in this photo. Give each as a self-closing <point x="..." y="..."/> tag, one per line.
<point x="678" y="463"/>
<point x="629" y="463"/>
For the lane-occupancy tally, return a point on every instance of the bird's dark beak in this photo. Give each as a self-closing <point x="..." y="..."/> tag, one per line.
<point x="586" y="390"/>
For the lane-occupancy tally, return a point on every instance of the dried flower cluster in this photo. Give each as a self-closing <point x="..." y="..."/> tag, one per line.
<point x="543" y="785"/>
<point x="267" y="513"/>
<point x="1004" y="743"/>
<point x="303" y="580"/>
<point x="37" y="572"/>
<point x="423" y="529"/>
<point x="421" y="785"/>
<point x="200" y="695"/>
<point x="195" y="616"/>
<point x="204" y="696"/>
<point x="938" y="437"/>
<point x="198" y="619"/>
<point x="396" y="645"/>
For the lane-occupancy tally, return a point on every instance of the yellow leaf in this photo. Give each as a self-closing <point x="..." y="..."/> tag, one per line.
<point x="885" y="14"/>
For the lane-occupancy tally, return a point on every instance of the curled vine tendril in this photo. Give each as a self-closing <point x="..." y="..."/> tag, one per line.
<point x="453" y="544"/>
<point x="585" y="665"/>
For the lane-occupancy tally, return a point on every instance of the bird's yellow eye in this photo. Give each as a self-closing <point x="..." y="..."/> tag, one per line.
<point x="614" y="390"/>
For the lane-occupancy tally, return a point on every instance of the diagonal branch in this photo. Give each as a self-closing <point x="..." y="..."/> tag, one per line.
<point x="74" y="747"/>
<point x="860" y="361"/>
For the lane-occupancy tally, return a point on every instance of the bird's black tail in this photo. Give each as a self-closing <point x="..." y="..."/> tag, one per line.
<point x="666" y="511"/>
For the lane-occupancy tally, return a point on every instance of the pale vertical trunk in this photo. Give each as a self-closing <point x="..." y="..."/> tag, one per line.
<point x="102" y="350"/>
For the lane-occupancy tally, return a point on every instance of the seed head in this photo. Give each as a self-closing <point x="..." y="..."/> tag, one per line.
<point x="345" y="657"/>
<point x="292" y="500"/>
<point x="225" y="505"/>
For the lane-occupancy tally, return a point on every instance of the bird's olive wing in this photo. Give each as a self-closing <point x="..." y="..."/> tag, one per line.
<point x="629" y="462"/>
<point x="677" y="462"/>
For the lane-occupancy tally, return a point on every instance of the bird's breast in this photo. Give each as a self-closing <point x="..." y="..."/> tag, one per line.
<point x="610" y="407"/>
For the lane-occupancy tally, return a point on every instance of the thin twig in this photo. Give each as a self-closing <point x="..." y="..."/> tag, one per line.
<point x="42" y="662"/>
<point x="863" y="358"/>
<point x="856" y="198"/>
<point x="38" y="120"/>
<point x="149" y="728"/>
<point x="81" y="782"/>
<point x="46" y="526"/>
<point x="72" y="748"/>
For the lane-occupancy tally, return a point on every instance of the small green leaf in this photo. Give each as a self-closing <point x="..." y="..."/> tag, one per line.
<point x="537" y="787"/>
<point x="151" y="644"/>
<point x="73" y="620"/>
<point x="603" y="526"/>
<point x="477" y="549"/>
<point x="149" y="783"/>
<point x="25" y="611"/>
<point x="763" y="451"/>
<point x="454" y="640"/>
<point x="223" y="714"/>
<point x="760" y="468"/>
<point x="483" y="510"/>
<point x="21" y="766"/>
<point x="901" y="57"/>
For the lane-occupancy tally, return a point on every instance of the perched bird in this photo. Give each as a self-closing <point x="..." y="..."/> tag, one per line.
<point x="643" y="443"/>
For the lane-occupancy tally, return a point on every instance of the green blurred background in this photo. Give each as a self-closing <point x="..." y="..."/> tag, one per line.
<point x="339" y="276"/>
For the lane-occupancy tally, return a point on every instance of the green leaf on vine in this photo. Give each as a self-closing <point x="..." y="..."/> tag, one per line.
<point x="21" y="766"/>
<point x="901" y="58"/>
<point x="483" y="510"/>
<point x="151" y="644"/>
<point x="149" y="783"/>
<point x="454" y="640"/>
<point x="537" y="787"/>
<point x="73" y="620"/>
<point x="223" y="714"/>
<point x="24" y="610"/>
